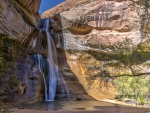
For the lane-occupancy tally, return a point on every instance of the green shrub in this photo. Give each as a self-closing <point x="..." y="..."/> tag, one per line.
<point x="3" y="110"/>
<point x="9" y="49"/>
<point x="141" y="100"/>
<point x="132" y="87"/>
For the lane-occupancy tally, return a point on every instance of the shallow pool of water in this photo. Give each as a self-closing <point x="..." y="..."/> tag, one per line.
<point x="66" y="105"/>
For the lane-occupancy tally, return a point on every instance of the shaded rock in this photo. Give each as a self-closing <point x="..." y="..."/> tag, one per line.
<point x="31" y="84"/>
<point x="18" y="17"/>
<point x="20" y="107"/>
<point x="132" y="102"/>
<point x="35" y="84"/>
<point x="79" y="99"/>
<point x="31" y="5"/>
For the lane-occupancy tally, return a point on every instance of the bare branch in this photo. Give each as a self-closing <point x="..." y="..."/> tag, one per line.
<point x="138" y="74"/>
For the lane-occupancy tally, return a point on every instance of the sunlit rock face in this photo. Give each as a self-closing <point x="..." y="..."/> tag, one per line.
<point x="87" y="70"/>
<point x="93" y="35"/>
<point x="18" y="17"/>
<point x="105" y="22"/>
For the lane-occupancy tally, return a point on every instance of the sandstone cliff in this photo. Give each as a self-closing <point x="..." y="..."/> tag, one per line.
<point x="96" y="40"/>
<point x="99" y="36"/>
<point x="18" y="17"/>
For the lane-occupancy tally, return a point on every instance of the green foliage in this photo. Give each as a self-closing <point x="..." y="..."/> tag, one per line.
<point x="2" y="109"/>
<point x="133" y="87"/>
<point x="13" y="81"/>
<point x="9" y="50"/>
<point x="141" y="100"/>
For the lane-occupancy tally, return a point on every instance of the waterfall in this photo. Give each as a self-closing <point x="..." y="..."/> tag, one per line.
<point x="58" y="45"/>
<point x="51" y="68"/>
<point x="41" y="66"/>
<point x="52" y="75"/>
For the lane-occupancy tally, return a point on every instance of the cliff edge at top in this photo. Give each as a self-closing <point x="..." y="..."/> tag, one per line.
<point x="62" y="7"/>
<point x="67" y="5"/>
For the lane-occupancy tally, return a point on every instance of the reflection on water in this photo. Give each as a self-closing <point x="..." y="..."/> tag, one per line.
<point x="66" y="105"/>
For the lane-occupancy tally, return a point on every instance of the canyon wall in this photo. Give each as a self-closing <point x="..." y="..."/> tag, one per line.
<point x="96" y="40"/>
<point x="102" y="39"/>
<point x="19" y="17"/>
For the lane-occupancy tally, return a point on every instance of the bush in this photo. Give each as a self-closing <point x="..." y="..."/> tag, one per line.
<point x="2" y="110"/>
<point x="141" y="100"/>
<point x="132" y="87"/>
<point x="9" y="49"/>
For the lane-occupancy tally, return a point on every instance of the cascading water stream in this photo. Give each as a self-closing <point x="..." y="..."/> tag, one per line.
<point x="53" y="75"/>
<point x="51" y="68"/>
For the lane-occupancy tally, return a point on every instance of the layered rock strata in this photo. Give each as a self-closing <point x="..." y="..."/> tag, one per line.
<point x="99" y="38"/>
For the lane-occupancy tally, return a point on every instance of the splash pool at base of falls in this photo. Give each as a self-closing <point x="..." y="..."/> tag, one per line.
<point x="79" y="107"/>
<point x="66" y="105"/>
